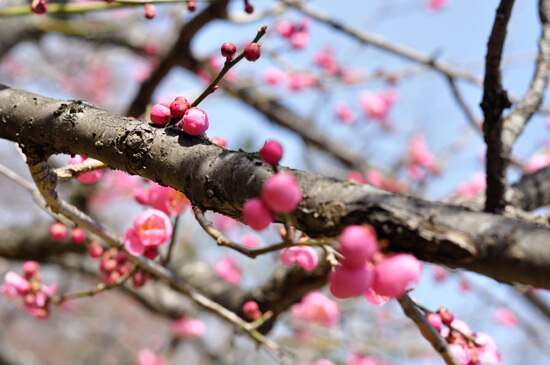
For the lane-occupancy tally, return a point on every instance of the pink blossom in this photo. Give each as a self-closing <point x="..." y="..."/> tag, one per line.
<point x="224" y="223"/>
<point x="419" y="152"/>
<point x="358" y="245"/>
<point x="251" y="310"/>
<point x="299" y="40"/>
<point x="375" y="178"/>
<point x="14" y="285"/>
<point x="344" y="112"/>
<point x="94" y="249"/>
<point x="58" y="231"/>
<point x="537" y="162"/>
<point x="435" y="320"/>
<point x="228" y="270"/>
<point x="152" y="227"/>
<point x="281" y="193"/>
<point x="374" y="298"/>
<point x="348" y="282"/>
<point x="439" y="273"/>
<point x="148" y="357"/>
<point x="376" y="105"/>
<point x="89" y="177"/>
<point x="436" y="5"/>
<point x="150" y="11"/>
<point x="274" y="76"/>
<point x="220" y="141"/>
<point x="179" y="106"/>
<point x="304" y="256"/>
<point x="473" y="187"/>
<point x="285" y="28"/>
<point x="78" y="236"/>
<point x="160" y="114"/>
<point x="487" y="352"/>
<point x="256" y="214"/>
<point x="316" y="308"/>
<point x="300" y="81"/>
<point x="187" y="327"/>
<point x="356" y="176"/>
<point x="394" y="273"/>
<point x="325" y="59"/>
<point x="356" y="359"/>
<point x="461" y="352"/>
<point x="503" y="315"/>
<point x="250" y="240"/>
<point x="271" y="152"/>
<point x="163" y="198"/>
<point x="461" y="326"/>
<point x="195" y="122"/>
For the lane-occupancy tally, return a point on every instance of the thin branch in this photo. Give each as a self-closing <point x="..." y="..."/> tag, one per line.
<point x="428" y="331"/>
<point x="73" y="171"/>
<point x="462" y="103"/>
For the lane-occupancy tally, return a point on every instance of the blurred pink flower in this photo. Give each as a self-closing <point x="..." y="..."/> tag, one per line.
<point x="274" y="76"/>
<point x="299" y="40"/>
<point x="300" y="81"/>
<point x="344" y="112"/>
<point x="473" y="187"/>
<point x="394" y="273"/>
<point x="319" y="362"/>
<point x="315" y="307"/>
<point x="439" y="273"/>
<point x="304" y="256"/>
<point x="148" y="357"/>
<point x="376" y="105"/>
<point x="228" y="270"/>
<point x="487" y="352"/>
<point x="503" y="315"/>
<point x="250" y="240"/>
<point x="537" y="162"/>
<point x="89" y="177"/>
<point x="356" y="359"/>
<point x="374" y="298"/>
<point x="187" y="327"/>
<point x="356" y="176"/>
<point x="436" y="5"/>
<point x="461" y="352"/>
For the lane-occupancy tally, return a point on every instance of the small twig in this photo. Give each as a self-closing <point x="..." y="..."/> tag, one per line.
<point x="462" y="103"/>
<point x="427" y="330"/>
<point x="101" y="287"/>
<point x="73" y="171"/>
<point x="212" y="87"/>
<point x="173" y="242"/>
<point x="221" y="240"/>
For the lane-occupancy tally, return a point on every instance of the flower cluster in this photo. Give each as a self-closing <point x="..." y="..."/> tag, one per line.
<point x="35" y="295"/>
<point x="114" y="264"/>
<point x="468" y="348"/>
<point x="163" y="198"/>
<point x="316" y="308"/>
<point x="152" y="228"/>
<point x="377" y="104"/>
<point x="421" y="160"/>
<point x="194" y="121"/>
<point x="58" y="232"/>
<point x="89" y="177"/>
<point x="280" y="194"/>
<point x="228" y="270"/>
<point x="296" y="33"/>
<point x="366" y="271"/>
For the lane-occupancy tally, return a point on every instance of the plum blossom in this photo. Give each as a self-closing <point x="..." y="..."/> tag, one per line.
<point x="394" y="273"/>
<point x="228" y="270"/>
<point x="274" y="76"/>
<point x="377" y="104"/>
<point x="436" y="5"/>
<point x="346" y="282"/>
<point x="187" y="327"/>
<point x="148" y="357"/>
<point x="152" y="227"/>
<point x="473" y="187"/>
<point x="317" y="308"/>
<point x="358" y="244"/>
<point x="163" y="198"/>
<point x="356" y="359"/>
<point x="344" y="112"/>
<point x="281" y="193"/>
<point x="505" y="316"/>
<point x="304" y="256"/>
<point x="537" y="162"/>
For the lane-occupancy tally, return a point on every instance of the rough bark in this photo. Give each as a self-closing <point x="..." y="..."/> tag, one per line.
<point x="221" y="180"/>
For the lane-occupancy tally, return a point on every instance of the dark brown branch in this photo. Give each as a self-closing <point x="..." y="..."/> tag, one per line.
<point x="428" y="331"/>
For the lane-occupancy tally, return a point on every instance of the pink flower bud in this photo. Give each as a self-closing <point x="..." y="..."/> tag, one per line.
<point x="305" y="256"/>
<point x="220" y="141"/>
<point x="446" y="316"/>
<point x="194" y="122"/>
<point x="30" y="269"/>
<point x="228" y="50"/>
<point x="394" y="273"/>
<point x="435" y="320"/>
<point x="299" y="40"/>
<point x="191" y="6"/>
<point x="256" y="214"/>
<point x="78" y="236"/>
<point x="179" y="106"/>
<point x="94" y="249"/>
<point x="251" y="310"/>
<point x="250" y="241"/>
<point x="150" y="11"/>
<point x="252" y="52"/>
<point x="281" y="193"/>
<point x="151" y="252"/>
<point x="271" y="152"/>
<point x="188" y="327"/>
<point x="358" y="245"/>
<point x="160" y="114"/>
<point x="285" y="28"/>
<point x="58" y="231"/>
<point x="39" y="6"/>
<point x="348" y="282"/>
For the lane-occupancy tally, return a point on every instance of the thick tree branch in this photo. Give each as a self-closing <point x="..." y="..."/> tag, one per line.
<point x="495" y="100"/>
<point x="506" y="249"/>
